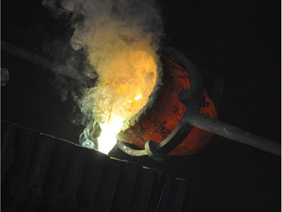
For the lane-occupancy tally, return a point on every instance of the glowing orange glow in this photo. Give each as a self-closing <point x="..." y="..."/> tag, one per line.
<point x="123" y="90"/>
<point x="167" y="111"/>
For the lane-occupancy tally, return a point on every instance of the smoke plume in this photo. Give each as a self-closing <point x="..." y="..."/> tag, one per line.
<point x="121" y="39"/>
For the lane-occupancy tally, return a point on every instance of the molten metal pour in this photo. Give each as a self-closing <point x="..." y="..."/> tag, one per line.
<point x="123" y="91"/>
<point x="110" y="129"/>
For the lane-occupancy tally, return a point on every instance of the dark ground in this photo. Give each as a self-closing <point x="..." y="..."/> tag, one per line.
<point x="238" y="41"/>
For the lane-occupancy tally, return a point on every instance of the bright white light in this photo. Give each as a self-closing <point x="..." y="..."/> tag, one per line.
<point x="138" y="97"/>
<point x="107" y="139"/>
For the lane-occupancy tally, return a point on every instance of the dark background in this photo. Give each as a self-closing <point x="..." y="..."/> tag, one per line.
<point x="238" y="41"/>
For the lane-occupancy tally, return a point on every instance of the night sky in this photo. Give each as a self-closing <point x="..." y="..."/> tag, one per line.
<point x="238" y="41"/>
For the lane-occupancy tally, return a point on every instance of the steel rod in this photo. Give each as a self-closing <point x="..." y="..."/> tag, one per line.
<point x="46" y="63"/>
<point x="233" y="133"/>
<point x="26" y="55"/>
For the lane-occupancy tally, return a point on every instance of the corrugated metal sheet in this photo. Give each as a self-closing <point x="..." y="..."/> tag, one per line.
<point x="42" y="173"/>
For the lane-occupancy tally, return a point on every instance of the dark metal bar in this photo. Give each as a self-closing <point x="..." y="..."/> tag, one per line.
<point x="26" y="55"/>
<point x="46" y="63"/>
<point x="233" y="133"/>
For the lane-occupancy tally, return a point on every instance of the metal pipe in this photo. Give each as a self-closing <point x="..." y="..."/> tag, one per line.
<point x="233" y="133"/>
<point x="26" y="55"/>
<point x="46" y="63"/>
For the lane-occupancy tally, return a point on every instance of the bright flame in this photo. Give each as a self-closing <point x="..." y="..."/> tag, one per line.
<point x="107" y="139"/>
<point x="124" y="87"/>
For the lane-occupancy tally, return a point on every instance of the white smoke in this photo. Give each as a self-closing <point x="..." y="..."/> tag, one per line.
<point x="107" y="29"/>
